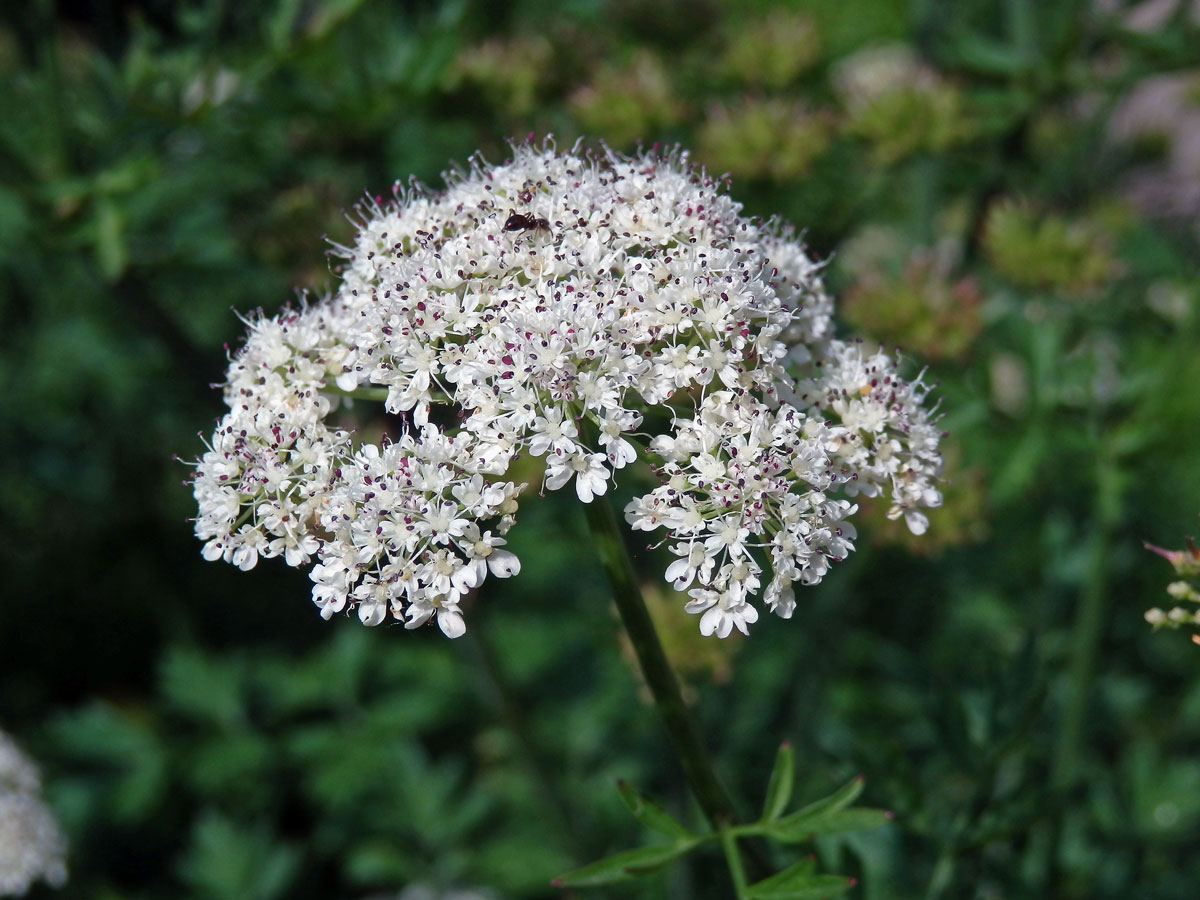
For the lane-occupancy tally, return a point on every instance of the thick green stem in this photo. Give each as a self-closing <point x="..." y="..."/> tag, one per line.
<point x="656" y="669"/>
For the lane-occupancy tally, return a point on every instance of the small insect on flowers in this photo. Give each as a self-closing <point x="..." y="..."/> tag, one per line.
<point x="524" y="222"/>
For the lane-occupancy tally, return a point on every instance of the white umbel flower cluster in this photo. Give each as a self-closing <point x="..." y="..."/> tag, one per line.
<point x="31" y="844"/>
<point x="589" y="309"/>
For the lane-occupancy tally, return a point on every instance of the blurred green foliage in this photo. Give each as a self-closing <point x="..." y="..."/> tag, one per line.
<point x="204" y="734"/>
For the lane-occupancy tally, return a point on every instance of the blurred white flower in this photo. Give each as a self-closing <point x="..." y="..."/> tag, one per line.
<point x="209" y="87"/>
<point x="1162" y="109"/>
<point x="31" y="844"/>
<point x="878" y="70"/>
<point x="588" y="309"/>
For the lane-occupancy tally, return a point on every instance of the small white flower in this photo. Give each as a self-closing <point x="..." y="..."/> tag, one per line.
<point x="449" y="616"/>
<point x="728" y="537"/>
<point x="779" y="596"/>
<point x="694" y="560"/>
<point x="616" y="423"/>
<point x="245" y="547"/>
<point x="720" y="614"/>
<point x="591" y="475"/>
<point x="552" y="432"/>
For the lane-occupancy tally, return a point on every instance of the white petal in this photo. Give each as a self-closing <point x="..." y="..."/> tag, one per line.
<point x="504" y="564"/>
<point x="916" y="521"/>
<point x="371" y="612"/>
<point x="583" y="488"/>
<point x="417" y="616"/>
<point x="451" y="622"/>
<point x="680" y="571"/>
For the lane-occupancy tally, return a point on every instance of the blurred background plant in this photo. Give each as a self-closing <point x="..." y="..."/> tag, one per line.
<point x="1007" y="191"/>
<point x="1186" y="564"/>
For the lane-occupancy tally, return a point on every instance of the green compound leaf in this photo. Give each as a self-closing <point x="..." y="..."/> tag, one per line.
<point x="779" y="787"/>
<point x="828" y="815"/>
<point x="651" y="814"/>
<point x="625" y="865"/>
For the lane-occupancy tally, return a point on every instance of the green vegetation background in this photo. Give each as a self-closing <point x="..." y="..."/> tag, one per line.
<point x="992" y="199"/>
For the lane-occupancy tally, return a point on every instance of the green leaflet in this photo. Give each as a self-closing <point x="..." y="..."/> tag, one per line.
<point x="779" y="787"/>
<point x="651" y="814"/>
<point x="624" y="865"/>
